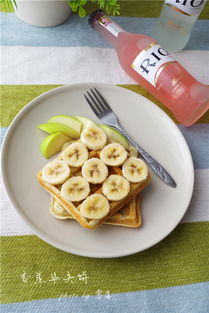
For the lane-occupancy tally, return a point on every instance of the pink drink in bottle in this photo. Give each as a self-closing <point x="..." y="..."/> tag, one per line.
<point x="156" y="70"/>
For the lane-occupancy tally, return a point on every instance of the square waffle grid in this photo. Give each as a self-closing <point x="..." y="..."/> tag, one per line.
<point x="128" y="216"/>
<point x="74" y="208"/>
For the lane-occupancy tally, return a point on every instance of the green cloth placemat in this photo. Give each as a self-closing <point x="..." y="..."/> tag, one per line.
<point x="179" y="259"/>
<point x="14" y="98"/>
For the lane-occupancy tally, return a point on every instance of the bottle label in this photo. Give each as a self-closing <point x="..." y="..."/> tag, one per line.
<point x="187" y="7"/>
<point x="150" y="62"/>
<point x="112" y="27"/>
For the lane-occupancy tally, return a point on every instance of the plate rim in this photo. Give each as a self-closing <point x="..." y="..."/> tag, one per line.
<point x="40" y="233"/>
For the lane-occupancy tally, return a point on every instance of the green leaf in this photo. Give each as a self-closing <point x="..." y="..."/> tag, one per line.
<point x="116" y="12"/>
<point x="108" y="5"/>
<point x="74" y="6"/>
<point x="8" y="5"/>
<point x="82" y="12"/>
<point x="82" y="3"/>
<point x="112" y="2"/>
<point x="101" y="3"/>
<point x="14" y="3"/>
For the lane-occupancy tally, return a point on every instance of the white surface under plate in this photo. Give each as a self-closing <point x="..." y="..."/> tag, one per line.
<point x="162" y="206"/>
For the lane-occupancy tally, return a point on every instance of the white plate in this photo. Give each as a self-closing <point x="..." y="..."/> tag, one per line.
<point x="162" y="207"/>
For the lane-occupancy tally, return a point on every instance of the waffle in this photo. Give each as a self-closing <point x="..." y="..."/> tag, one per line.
<point x="128" y="216"/>
<point x="74" y="208"/>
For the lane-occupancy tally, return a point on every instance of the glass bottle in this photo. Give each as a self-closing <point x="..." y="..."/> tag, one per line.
<point x="155" y="69"/>
<point x="175" y="23"/>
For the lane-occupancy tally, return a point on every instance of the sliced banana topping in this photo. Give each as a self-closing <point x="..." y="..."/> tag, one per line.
<point x="76" y="154"/>
<point x="94" y="171"/>
<point x="113" y="154"/>
<point x="135" y="170"/>
<point x="95" y="206"/>
<point x="75" y="189"/>
<point x="56" y="172"/>
<point x="132" y="152"/>
<point x="93" y="137"/>
<point x="58" y="211"/>
<point x="67" y="144"/>
<point x="115" y="187"/>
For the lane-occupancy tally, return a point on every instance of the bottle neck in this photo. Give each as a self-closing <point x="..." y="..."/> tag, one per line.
<point x="107" y="28"/>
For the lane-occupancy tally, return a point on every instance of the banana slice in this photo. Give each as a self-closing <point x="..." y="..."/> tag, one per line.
<point x="57" y="210"/>
<point x="67" y="144"/>
<point x="94" y="171"/>
<point x="135" y="170"/>
<point x="56" y="172"/>
<point x="93" y="137"/>
<point x="76" y="154"/>
<point x="95" y="206"/>
<point x="75" y="189"/>
<point x="115" y="187"/>
<point x="132" y="152"/>
<point x="113" y="154"/>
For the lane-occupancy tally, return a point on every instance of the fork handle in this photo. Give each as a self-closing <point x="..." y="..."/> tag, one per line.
<point x="154" y="165"/>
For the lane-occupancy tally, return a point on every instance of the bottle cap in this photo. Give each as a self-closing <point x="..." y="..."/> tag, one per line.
<point x="94" y="17"/>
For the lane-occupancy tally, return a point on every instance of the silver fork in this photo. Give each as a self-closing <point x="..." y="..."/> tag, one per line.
<point x="104" y="112"/>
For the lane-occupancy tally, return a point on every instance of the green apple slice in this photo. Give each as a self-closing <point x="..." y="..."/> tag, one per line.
<point x="67" y="120"/>
<point x="52" y="128"/>
<point x="115" y="135"/>
<point x="111" y="132"/>
<point x="84" y="121"/>
<point x="52" y="144"/>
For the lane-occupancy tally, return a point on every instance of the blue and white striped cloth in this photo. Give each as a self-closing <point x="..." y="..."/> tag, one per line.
<point x="74" y="53"/>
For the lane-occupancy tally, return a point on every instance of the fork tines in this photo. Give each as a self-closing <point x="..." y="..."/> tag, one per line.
<point x="97" y="101"/>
